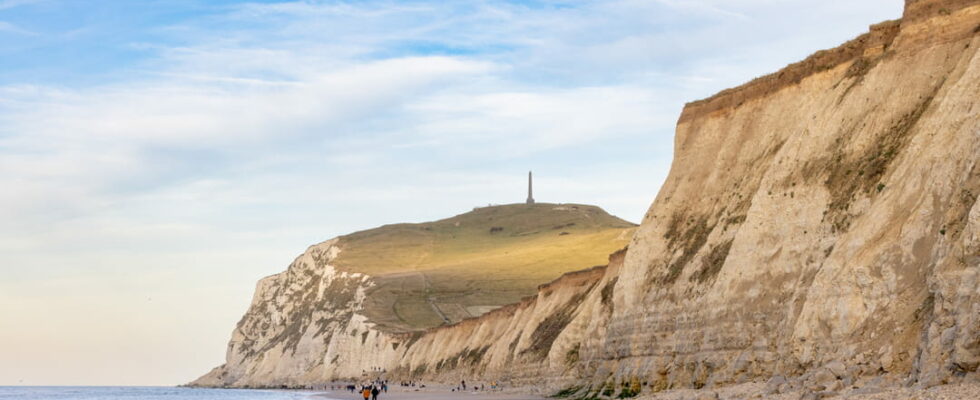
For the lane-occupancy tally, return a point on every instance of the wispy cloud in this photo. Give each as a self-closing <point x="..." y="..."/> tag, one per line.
<point x="704" y="7"/>
<point x="11" y="28"/>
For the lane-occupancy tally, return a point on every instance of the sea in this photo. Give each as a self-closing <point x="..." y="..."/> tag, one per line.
<point x="148" y="393"/>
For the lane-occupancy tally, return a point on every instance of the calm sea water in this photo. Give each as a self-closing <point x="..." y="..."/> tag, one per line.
<point x="149" y="393"/>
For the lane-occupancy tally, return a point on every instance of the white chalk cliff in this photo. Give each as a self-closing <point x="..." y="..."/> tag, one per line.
<point x="822" y="218"/>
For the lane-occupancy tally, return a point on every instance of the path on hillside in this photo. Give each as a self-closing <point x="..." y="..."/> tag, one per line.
<point x="431" y="299"/>
<point x="425" y="281"/>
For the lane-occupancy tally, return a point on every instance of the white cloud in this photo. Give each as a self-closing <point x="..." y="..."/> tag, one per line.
<point x="75" y="144"/>
<point x="526" y="122"/>
<point x="215" y="111"/>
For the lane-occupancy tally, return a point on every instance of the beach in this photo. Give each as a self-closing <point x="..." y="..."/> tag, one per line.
<point x="755" y="390"/>
<point x="436" y="392"/>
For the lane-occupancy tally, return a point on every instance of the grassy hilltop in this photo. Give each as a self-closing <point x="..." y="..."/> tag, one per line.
<point x="444" y="271"/>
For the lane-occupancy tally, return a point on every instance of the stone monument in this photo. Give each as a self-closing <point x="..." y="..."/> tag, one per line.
<point x="530" y="196"/>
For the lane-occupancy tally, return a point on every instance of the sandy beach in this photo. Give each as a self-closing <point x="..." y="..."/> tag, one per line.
<point x="430" y="392"/>
<point x="960" y="391"/>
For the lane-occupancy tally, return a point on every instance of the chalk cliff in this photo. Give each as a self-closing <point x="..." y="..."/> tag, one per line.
<point x="819" y="220"/>
<point x="354" y="304"/>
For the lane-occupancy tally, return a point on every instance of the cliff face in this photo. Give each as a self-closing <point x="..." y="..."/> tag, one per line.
<point x="825" y="213"/>
<point x="303" y="325"/>
<point x="540" y="340"/>
<point x="347" y="307"/>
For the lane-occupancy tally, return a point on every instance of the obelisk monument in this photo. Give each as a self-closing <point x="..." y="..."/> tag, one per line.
<point x="530" y="193"/>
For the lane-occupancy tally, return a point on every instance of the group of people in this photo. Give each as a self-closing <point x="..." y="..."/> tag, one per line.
<point x="371" y="391"/>
<point x="462" y="386"/>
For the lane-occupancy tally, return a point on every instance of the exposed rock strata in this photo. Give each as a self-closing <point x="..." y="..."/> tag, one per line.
<point x="842" y="207"/>
<point x="822" y="218"/>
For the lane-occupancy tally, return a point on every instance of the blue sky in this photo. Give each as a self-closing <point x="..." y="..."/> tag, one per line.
<point x="158" y="157"/>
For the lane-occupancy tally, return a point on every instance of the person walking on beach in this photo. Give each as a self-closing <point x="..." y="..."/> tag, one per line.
<point x="366" y="392"/>
<point x="374" y="393"/>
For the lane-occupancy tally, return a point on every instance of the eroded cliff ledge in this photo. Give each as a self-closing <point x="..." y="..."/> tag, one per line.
<point x="822" y="218"/>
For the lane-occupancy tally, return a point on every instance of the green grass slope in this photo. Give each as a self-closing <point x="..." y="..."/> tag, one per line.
<point x="441" y="272"/>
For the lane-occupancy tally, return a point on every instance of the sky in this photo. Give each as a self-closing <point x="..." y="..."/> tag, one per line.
<point x="158" y="157"/>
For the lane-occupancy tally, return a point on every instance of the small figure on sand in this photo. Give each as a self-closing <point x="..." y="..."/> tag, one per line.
<point x="366" y="392"/>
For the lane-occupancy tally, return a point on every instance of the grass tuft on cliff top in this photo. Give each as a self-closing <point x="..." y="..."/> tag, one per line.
<point x="439" y="272"/>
